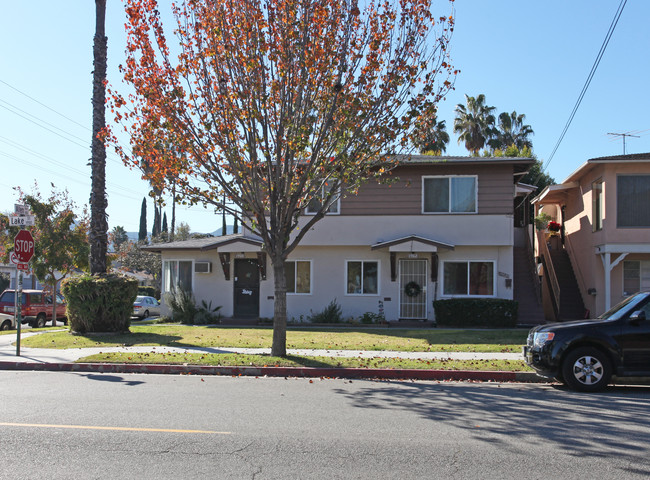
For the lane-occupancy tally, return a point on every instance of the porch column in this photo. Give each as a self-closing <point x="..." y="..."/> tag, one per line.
<point x="608" y="266"/>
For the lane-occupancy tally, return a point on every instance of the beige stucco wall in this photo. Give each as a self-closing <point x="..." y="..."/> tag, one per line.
<point x="328" y="266"/>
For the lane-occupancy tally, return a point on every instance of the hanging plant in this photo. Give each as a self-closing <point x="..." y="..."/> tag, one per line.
<point x="412" y="289"/>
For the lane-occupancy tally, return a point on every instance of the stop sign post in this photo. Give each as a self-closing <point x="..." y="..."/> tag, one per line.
<point x="24" y="246"/>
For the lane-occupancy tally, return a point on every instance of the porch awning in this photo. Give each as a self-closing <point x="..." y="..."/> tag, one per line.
<point x="413" y="243"/>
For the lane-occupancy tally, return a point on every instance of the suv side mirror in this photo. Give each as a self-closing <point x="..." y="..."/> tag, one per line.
<point x="638" y="316"/>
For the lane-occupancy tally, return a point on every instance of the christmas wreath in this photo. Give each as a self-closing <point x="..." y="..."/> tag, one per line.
<point x="412" y="289"/>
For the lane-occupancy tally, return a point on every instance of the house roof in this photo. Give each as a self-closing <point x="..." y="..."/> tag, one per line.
<point x="522" y="164"/>
<point x="203" y="244"/>
<point x="555" y="193"/>
<point x="589" y="164"/>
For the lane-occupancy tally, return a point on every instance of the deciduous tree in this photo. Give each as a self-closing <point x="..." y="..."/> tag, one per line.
<point x="60" y="235"/>
<point x="277" y="102"/>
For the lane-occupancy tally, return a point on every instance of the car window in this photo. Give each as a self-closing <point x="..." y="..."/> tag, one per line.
<point x="10" y="297"/>
<point x="36" y="298"/>
<point x="626" y="306"/>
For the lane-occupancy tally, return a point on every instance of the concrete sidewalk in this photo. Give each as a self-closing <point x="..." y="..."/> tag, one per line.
<point x="64" y="360"/>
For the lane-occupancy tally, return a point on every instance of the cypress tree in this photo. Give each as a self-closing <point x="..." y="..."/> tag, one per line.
<point x="142" y="234"/>
<point x="164" y="223"/>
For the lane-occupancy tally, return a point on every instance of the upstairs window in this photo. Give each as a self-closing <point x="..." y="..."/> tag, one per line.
<point x="315" y="204"/>
<point x="449" y="194"/>
<point x="632" y="200"/>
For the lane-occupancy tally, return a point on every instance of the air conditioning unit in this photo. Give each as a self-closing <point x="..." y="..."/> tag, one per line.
<point x="202" y="267"/>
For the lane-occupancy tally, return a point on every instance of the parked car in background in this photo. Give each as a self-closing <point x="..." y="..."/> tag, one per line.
<point x="585" y="354"/>
<point x="144" y="307"/>
<point x="7" y="322"/>
<point x="37" y="306"/>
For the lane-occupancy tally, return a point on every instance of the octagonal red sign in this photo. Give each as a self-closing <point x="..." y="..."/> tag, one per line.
<point x="24" y="246"/>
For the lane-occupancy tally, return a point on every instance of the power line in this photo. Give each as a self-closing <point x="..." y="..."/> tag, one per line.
<point x="612" y="26"/>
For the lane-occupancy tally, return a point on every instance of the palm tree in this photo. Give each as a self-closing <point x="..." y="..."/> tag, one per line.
<point x="431" y="137"/>
<point x="474" y="123"/>
<point x="98" y="234"/>
<point x="512" y="131"/>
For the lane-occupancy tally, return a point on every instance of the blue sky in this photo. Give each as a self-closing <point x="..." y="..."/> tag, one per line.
<point x="532" y="57"/>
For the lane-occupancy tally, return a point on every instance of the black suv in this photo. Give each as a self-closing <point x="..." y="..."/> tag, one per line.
<point x="585" y="354"/>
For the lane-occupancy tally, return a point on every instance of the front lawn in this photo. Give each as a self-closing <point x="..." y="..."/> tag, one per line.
<point x="396" y="339"/>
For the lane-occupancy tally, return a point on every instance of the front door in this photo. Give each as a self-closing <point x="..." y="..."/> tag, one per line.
<point x="412" y="289"/>
<point x="247" y="288"/>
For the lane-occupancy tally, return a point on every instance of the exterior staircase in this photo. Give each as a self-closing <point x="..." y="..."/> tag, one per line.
<point x="530" y="307"/>
<point x="571" y="305"/>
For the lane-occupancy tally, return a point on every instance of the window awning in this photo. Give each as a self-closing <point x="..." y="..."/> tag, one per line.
<point x="413" y="243"/>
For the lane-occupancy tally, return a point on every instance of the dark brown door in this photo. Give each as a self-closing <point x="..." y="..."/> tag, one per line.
<point x="247" y="288"/>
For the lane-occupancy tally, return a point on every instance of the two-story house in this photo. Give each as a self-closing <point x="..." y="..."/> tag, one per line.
<point x="443" y="229"/>
<point x="604" y="212"/>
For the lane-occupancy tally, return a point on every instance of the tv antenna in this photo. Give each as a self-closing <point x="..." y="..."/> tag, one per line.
<point x="628" y="134"/>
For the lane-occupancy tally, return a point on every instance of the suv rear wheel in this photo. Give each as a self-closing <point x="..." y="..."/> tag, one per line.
<point x="40" y="320"/>
<point x="6" y="325"/>
<point x="586" y="369"/>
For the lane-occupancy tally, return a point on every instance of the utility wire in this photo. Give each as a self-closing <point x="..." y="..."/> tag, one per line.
<point x="612" y="26"/>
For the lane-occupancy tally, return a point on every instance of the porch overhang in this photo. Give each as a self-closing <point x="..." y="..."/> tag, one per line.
<point x="611" y="254"/>
<point x="554" y="194"/>
<point x="413" y="243"/>
<point x="226" y="243"/>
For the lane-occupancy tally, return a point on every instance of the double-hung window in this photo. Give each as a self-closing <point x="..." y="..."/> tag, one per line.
<point x="178" y="275"/>
<point x="362" y="277"/>
<point x="632" y="200"/>
<point x="468" y="278"/>
<point x="298" y="276"/>
<point x="334" y="203"/>
<point x="451" y="194"/>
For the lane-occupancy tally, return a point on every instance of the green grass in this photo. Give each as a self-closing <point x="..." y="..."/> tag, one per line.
<point x="406" y="340"/>
<point x="295" y="361"/>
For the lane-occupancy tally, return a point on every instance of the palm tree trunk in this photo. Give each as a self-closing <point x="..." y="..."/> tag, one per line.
<point x="98" y="203"/>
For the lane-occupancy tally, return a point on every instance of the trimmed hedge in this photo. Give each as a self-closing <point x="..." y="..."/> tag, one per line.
<point x="476" y="312"/>
<point x="101" y="303"/>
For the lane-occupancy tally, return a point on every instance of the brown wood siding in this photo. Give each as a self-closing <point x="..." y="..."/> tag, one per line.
<point x="404" y="195"/>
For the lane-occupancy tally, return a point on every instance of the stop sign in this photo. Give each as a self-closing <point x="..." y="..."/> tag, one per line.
<point x="24" y="246"/>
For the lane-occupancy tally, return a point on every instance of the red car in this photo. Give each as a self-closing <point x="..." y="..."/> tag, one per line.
<point x="37" y="306"/>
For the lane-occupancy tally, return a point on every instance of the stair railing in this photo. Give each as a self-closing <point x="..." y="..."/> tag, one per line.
<point x="532" y="267"/>
<point x="549" y="270"/>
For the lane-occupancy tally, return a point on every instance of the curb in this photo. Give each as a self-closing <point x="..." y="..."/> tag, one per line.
<point x="305" y="372"/>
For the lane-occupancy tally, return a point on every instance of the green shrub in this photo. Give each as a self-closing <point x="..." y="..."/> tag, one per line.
<point x="370" y="317"/>
<point x="206" y="315"/>
<point x="99" y="303"/>
<point x="149" y="291"/>
<point x="182" y="304"/>
<point x="476" y="312"/>
<point x="331" y="314"/>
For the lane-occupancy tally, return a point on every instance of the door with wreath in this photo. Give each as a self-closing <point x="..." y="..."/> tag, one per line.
<point x="413" y="289"/>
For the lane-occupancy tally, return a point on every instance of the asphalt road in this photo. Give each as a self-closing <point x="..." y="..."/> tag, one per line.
<point x="72" y="425"/>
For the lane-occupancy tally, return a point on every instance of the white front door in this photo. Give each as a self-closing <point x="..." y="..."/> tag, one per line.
<point x="412" y="289"/>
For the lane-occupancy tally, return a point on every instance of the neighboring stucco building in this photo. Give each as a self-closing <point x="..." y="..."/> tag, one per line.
<point x="443" y="229"/>
<point x="604" y="210"/>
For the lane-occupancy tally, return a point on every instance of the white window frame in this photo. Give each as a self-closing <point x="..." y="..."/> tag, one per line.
<point x="177" y="260"/>
<point x="311" y="276"/>
<point x="597" y="204"/>
<point x="468" y="295"/>
<point x="336" y="201"/>
<point x="361" y="294"/>
<point x="450" y="177"/>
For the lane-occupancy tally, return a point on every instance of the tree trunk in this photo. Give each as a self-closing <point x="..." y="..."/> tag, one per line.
<point x="279" y="346"/>
<point x="98" y="223"/>
<point x="54" y="302"/>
